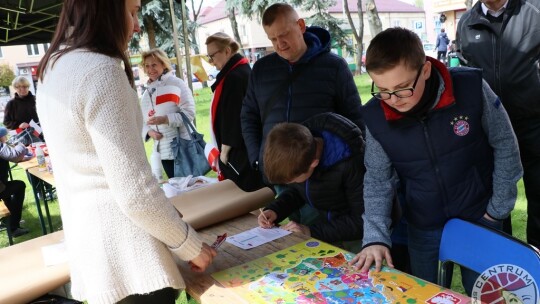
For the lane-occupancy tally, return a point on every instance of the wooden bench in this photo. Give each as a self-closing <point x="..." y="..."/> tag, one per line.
<point x="4" y="214"/>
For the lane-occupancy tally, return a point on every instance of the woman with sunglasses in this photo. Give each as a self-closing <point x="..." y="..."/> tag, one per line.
<point x="165" y="96"/>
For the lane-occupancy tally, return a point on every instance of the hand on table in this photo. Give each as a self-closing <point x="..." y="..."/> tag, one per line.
<point x="370" y="254"/>
<point x="204" y="259"/>
<point x="158" y="120"/>
<point x="267" y="218"/>
<point x="155" y="135"/>
<point x="295" y="227"/>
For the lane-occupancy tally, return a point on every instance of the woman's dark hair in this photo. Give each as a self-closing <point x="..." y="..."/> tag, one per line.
<point x="96" y="25"/>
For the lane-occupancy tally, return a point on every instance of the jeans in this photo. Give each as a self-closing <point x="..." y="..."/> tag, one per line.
<point x="168" y="167"/>
<point x="424" y="252"/>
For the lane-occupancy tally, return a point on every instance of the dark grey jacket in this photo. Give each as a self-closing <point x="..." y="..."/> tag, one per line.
<point x="510" y="59"/>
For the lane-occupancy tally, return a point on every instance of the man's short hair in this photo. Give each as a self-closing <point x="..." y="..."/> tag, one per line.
<point x="392" y="47"/>
<point x="289" y="150"/>
<point x="279" y="9"/>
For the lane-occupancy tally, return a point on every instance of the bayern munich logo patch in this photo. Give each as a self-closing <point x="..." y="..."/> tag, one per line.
<point x="460" y="125"/>
<point x="505" y="283"/>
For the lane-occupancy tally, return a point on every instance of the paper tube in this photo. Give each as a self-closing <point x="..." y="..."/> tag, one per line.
<point x="219" y="202"/>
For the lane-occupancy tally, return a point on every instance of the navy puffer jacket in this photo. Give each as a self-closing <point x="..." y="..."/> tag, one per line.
<point x="324" y="84"/>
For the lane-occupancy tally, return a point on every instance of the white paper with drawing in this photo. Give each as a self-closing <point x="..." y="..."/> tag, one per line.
<point x="256" y="237"/>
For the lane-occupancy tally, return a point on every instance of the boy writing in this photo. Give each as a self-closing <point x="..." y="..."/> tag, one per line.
<point x="448" y="138"/>
<point x="319" y="164"/>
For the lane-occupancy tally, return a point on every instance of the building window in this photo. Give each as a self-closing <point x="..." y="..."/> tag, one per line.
<point x="32" y="49"/>
<point x="46" y="46"/>
<point x="396" y="23"/>
<point x="1" y="55"/>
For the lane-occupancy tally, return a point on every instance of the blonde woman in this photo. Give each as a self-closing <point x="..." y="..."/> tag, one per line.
<point x="166" y="95"/>
<point x="22" y="108"/>
<point x="229" y="91"/>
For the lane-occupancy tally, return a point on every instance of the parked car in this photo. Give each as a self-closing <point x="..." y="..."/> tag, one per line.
<point x="430" y="49"/>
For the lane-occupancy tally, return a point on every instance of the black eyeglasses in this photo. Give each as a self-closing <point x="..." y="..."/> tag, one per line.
<point x="211" y="56"/>
<point x="401" y="93"/>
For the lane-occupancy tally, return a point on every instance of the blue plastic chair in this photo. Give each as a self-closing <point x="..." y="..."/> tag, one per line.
<point x="480" y="248"/>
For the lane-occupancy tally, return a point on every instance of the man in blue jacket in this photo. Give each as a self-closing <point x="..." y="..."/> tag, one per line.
<point x="301" y="79"/>
<point x="442" y="45"/>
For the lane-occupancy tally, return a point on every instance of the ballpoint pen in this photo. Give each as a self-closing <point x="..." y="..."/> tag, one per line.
<point x="232" y="167"/>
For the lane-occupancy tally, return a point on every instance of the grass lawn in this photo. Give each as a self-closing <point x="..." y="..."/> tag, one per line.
<point x="202" y="99"/>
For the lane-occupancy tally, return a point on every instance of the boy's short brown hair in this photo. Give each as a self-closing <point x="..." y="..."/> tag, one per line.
<point x="289" y="150"/>
<point x="392" y="47"/>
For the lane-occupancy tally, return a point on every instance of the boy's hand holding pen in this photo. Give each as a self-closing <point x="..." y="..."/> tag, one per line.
<point x="267" y="218"/>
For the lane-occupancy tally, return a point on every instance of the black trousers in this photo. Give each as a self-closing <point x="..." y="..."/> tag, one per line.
<point x="528" y="134"/>
<point x="13" y="197"/>
<point x="168" y="166"/>
<point x="441" y="55"/>
<point x="162" y="296"/>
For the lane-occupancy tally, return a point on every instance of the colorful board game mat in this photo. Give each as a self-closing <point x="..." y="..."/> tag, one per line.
<point x="316" y="272"/>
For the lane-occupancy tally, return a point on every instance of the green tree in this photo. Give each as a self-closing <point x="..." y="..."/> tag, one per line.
<point x="6" y="75"/>
<point x="321" y="17"/>
<point x="358" y="35"/>
<point x="375" y="24"/>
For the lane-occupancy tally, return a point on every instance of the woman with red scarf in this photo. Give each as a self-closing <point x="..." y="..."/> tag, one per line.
<point x="229" y="91"/>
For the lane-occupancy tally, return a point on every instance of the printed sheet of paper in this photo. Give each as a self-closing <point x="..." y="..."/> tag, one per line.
<point x="256" y="237"/>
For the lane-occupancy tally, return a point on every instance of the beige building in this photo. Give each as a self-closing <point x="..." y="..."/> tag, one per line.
<point x="256" y="44"/>
<point x="452" y="10"/>
<point x="24" y="60"/>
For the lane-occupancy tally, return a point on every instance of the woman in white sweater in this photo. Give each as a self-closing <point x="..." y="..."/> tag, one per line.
<point x="165" y="96"/>
<point x="123" y="236"/>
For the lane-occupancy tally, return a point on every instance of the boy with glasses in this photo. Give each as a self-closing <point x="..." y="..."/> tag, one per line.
<point x="444" y="138"/>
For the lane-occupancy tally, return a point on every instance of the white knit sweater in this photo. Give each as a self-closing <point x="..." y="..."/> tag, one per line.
<point x="165" y="92"/>
<point x="121" y="232"/>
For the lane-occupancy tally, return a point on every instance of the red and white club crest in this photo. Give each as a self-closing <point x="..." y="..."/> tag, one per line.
<point x="460" y="125"/>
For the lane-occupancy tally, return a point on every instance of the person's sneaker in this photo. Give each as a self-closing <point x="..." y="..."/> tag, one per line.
<point x="19" y="231"/>
<point x="22" y="222"/>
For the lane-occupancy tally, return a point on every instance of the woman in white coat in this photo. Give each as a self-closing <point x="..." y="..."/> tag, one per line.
<point x="166" y="95"/>
<point x="124" y="236"/>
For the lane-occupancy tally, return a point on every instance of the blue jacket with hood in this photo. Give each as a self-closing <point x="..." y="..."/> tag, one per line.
<point x="324" y="84"/>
